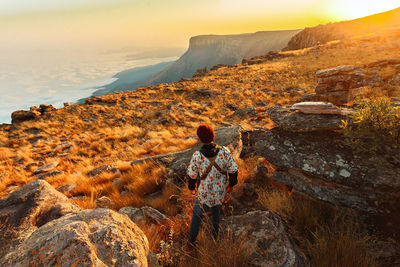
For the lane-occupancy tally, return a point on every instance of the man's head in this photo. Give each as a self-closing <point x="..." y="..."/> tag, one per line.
<point x="205" y="133"/>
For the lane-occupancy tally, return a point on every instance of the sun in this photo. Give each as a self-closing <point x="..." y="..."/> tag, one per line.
<point x="353" y="9"/>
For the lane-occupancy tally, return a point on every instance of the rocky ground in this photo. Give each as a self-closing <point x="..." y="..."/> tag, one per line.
<point x="65" y="173"/>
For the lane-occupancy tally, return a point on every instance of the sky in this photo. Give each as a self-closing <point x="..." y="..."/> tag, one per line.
<point x="115" y="24"/>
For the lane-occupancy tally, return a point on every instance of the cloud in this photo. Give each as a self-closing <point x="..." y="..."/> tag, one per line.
<point x="10" y="7"/>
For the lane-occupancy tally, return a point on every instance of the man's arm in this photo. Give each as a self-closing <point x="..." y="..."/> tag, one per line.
<point x="233" y="179"/>
<point x="191" y="183"/>
<point x="192" y="172"/>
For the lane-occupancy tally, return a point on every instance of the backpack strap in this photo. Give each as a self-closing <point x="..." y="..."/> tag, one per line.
<point x="212" y="163"/>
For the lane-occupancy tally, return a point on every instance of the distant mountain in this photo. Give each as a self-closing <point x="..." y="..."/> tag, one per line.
<point x="131" y="79"/>
<point x="210" y="50"/>
<point x="345" y="29"/>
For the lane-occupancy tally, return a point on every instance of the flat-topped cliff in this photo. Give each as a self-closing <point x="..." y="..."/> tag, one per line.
<point x="210" y="50"/>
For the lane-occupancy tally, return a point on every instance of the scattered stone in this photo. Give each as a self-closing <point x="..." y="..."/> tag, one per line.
<point x="105" y="202"/>
<point x="232" y="107"/>
<point x="33" y="131"/>
<point x="50" y="174"/>
<point x="202" y="92"/>
<point x="22" y="115"/>
<point x="116" y="182"/>
<point x="245" y="112"/>
<point x="152" y="259"/>
<point x="104" y="168"/>
<point x="66" y="188"/>
<point x="154" y="215"/>
<point x="266" y="239"/>
<point x="35" y="140"/>
<point x="46" y="167"/>
<point x="135" y="214"/>
<point x="63" y="146"/>
<point x="162" y="121"/>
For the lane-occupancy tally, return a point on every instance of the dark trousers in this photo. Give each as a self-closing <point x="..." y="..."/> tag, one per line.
<point x="198" y="214"/>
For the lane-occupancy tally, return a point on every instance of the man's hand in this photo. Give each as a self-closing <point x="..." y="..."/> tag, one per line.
<point x="193" y="192"/>
<point x="229" y="189"/>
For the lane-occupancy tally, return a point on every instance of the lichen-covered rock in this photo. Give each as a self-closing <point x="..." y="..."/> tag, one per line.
<point x="99" y="237"/>
<point x="320" y="165"/>
<point x="27" y="209"/>
<point x="265" y="238"/>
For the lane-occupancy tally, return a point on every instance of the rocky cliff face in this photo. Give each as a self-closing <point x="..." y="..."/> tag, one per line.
<point x="343" y="30"/>
<point x="210" y="50"/>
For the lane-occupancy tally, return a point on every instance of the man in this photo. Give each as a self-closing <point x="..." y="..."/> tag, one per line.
<point x="208" y="167"/>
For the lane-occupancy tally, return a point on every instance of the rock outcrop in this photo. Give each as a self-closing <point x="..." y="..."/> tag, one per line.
<point x="210" y="50"/>
<point x="319" y="164"/>
<point x="342" y="84"/>
<point x="265" y="238"/>
<point x="229" y="137"/>
<point x="39" y="226"/>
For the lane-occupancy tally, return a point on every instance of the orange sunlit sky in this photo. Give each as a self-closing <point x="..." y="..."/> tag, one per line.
<point x="79" y="24"/>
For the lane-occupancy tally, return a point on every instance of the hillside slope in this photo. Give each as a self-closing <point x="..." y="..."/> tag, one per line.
<point x="210" y="50"/>
<point x="345" y="29"/>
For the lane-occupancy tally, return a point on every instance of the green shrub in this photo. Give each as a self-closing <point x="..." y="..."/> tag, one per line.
<point x="374" y="125"/>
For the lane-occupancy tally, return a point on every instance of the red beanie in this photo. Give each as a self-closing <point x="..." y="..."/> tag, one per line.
<point x="205" y="133"/>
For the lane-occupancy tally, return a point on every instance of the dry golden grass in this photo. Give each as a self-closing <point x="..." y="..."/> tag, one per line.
<point x="327" y="235"/>
<point x="160" y="119"/>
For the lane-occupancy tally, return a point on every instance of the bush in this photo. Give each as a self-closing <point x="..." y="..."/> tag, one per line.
<point x="374" y="125"/>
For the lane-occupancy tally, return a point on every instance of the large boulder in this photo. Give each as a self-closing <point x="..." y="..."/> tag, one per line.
<point x="321" y="165"/>
<point x="39" y="226"/>
<point x="229" y="137"/>
<point x="27" y="209"/>
<point x="99" y="237"/>
<point x="265" y="238"/>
